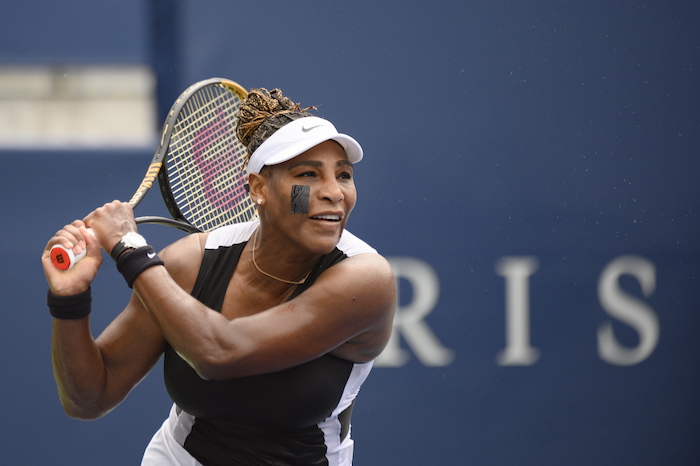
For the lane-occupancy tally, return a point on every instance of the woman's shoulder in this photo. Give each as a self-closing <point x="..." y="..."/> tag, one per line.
<point x="351" y="245"/>
<point x="363" y="261"/>
<point x="229" y="235"/>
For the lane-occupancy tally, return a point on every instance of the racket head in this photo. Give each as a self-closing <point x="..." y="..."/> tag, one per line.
<point x="203" y="178"/>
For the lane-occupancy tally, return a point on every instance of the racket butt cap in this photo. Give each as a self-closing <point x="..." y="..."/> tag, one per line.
<point x="65" y="259"/>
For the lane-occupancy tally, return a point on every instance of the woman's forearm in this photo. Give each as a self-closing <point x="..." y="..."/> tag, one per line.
<point x="78" y="368"/>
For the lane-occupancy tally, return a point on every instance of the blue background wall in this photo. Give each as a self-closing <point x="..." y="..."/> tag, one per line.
<point x="566" y="132"/>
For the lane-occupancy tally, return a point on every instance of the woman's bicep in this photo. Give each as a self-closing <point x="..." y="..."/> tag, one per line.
<point x="351" y="300"/>
<point x="183" y="259"/>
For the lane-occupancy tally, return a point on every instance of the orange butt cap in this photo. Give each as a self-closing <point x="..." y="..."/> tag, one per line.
<point x="60" y="258"/>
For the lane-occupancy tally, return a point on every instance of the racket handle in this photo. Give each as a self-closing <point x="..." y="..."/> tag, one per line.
<point x="65" y="259"/>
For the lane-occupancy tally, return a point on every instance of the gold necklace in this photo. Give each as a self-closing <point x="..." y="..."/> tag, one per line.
<point x="289" y="282"/>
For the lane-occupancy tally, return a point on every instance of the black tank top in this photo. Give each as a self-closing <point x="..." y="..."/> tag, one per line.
<point x="244" y="419"/>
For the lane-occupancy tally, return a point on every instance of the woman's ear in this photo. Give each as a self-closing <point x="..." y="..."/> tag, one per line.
<point x="256" y="188"/>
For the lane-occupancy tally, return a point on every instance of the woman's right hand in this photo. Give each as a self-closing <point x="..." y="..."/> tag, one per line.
<point x="77" y="279"/>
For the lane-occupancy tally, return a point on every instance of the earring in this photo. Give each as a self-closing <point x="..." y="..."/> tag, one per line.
<point x="260" y="202"/>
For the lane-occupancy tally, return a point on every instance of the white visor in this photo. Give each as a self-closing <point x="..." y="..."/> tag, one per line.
<point x="297" y="137"/>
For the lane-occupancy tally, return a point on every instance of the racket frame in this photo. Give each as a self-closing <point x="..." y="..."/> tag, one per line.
<point x="158" y="168"/>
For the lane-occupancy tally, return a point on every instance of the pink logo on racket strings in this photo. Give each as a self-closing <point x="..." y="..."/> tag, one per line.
<point x="216" y="165"/>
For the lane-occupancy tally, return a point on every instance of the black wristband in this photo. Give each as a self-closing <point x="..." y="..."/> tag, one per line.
<point x="131" y="263"/>
<point x="70" y="307"/>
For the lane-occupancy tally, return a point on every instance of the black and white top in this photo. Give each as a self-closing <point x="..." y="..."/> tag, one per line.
<point x="298" y="416"/>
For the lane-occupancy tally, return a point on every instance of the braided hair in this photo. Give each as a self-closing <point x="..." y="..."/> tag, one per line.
<point x="263" y="113"/>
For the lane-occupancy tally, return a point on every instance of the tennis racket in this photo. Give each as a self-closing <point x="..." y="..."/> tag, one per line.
<point x="200" y="165"/>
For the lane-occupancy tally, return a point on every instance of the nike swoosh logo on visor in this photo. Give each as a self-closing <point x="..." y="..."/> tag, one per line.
<point x="304" y="129"/>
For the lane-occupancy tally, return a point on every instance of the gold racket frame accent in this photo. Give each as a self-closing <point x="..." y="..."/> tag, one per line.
<point x="146" y="183"/>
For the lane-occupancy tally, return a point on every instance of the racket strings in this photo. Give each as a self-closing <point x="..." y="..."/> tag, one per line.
<point x="206" y="161"/>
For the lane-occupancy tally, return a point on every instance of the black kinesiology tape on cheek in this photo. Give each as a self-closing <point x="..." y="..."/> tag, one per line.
<point x="300" y="199"/>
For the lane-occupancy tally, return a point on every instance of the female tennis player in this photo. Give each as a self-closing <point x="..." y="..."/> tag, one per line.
<point x="268" y="328"/>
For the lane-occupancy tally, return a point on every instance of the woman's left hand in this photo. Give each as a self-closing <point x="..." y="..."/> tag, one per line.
<point x="111" y="222"/>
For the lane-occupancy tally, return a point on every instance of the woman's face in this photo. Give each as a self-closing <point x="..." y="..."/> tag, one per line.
<point x="310" y="197"/>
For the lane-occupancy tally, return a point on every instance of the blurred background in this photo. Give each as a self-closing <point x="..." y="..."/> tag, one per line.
<point x="531" y="172"/>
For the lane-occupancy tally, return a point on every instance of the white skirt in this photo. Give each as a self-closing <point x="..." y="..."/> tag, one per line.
<point x="165" y="448"/>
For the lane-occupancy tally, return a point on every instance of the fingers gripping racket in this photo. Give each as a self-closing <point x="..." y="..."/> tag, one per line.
<point x="200" y="165"/>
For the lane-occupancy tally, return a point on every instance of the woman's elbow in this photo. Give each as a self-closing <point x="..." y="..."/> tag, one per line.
<point x="82" y="413"/>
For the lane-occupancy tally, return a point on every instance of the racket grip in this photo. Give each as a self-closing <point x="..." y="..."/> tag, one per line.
<point x="65" y="259"/>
